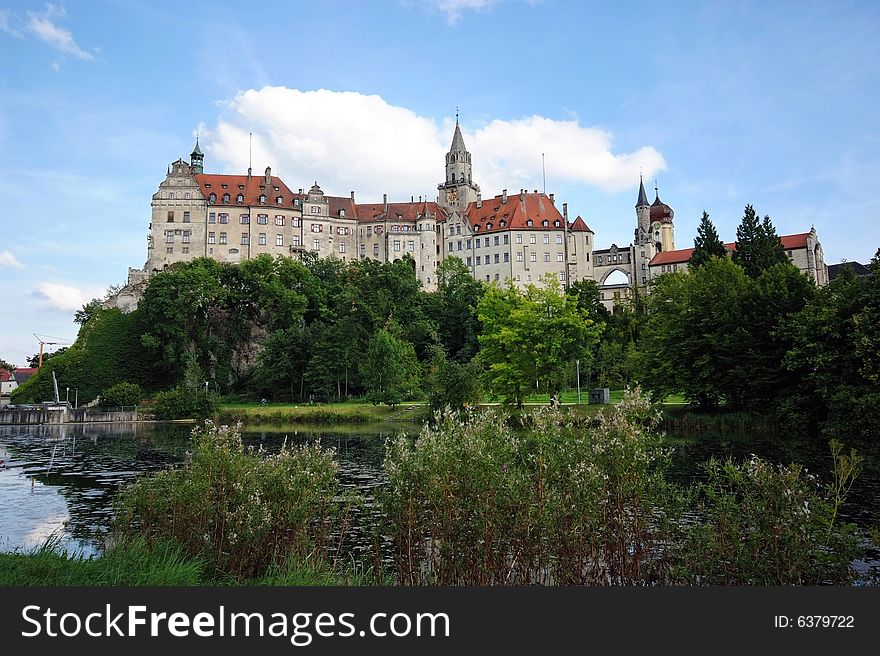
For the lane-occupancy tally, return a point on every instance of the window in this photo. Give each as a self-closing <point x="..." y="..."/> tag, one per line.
<point x="341" y="230"/>
<point x="295" y="222"/>
<point x="458" y="229"/>
<point x="556" y="223"/>
<point x="279" y="240"/>
<point x="261" y="239"/>
<point x="296" y="240"/>
<point x="530" y="223"/>
<point x="244" y="219"/>
<point x="560" y="257"/>
<point x="468" y="244"/>
<point x="222" y="237"/>
<point x="169" y="249"/>
<point x="496" y="258"/>
<point x="450" y="247"/>
<point x="315" y="209"/>
<point x="479" y="259"/>
<point x="558" y="239"/>
<point x="226" y="199"/>
<point x="546" y="239"/>
<point x="212" y="217"/>
<point x="317" y="244"/>
<point x="239" y="199"/>
<point x="375" y="250"/>
<point x="171" y="195"/>
<point x="397" y="245"/>
<point x="297" y="202"/>
<point x="546" y="257"/>
<point x="506" y="257"/>
<point x="186" y="197"/>
<point x="519" y="239"/>
<point x="363" y="250"/>
<point x="186" y="248"/>
<point x="486" y="242"/>
<point x="224" y="218"/>
<point x="341" y="246"/>
<point x="519" y="257"/>
<point x="278" y="200"/>
<point x="212" y="239"/>
<point x="245" y="239"/>
<point x="317" y="227"/>
<point x="506" y="239"/>
<point x="171" y="217"/>
<point x="562" y="276"/>
<point x="262" y="199"/>
<point x="545" y="223"/>
<point x="169" y="237"/>
<point x="469" y="261"/>
<point x="477" y="242"/>
<point x="369" y="231"/>
<point x="533" y="256"/>
<point x="531" y="239"/>
<point x="496" y="240"/>
<point x="186" y="236"/>
<point x="458" y="247"/>
<point x="410" y="246"/>
<point x="212" y="198"/>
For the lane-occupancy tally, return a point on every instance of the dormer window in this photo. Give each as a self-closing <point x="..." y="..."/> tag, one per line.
<point x="502" y="223"/>
<point x="556" y="223"/>
<point x="225" y="186"/>
<point x="239" y="199"/>
<point x="212" y="198"/>
<point x="476" y="228"/>
<point x="241" y="187"/>
<point x="226" y="199"/>
<point x="262" y="199"/>
<point x="488" y="227"/>
<point x="529" y="223"/>
<point x="278" y="200"/>
<point x="275" y="187"/>
<point x="545" y="223"/>
<point x="341" y="214"/>
<point x="207" y="185"/>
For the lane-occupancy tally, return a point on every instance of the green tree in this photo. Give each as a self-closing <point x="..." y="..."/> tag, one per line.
<point x="389" y="368"/>
<point x="452" y="308"/>
<point x="121" y="395"/>
<point x="87" y="311"/>
<point x="5" y="365"/>
<point x="34" y="360"/>
<point x="757" y="244"/>
<point x="587" y="296"/>
<point x="452" y="384"/>
<point x="707" y="244"/>
<point x="531" y="338"/>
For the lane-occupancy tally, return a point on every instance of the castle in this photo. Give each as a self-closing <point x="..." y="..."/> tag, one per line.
<point x="517" y="236"/>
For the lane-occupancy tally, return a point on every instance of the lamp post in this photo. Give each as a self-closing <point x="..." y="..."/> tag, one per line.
<point x="206" y="388"/>
<point x="75" y="398"/>
<point x="67" y="396"/>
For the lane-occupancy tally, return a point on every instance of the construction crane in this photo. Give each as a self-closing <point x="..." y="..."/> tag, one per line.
<point x="42" y="344"/>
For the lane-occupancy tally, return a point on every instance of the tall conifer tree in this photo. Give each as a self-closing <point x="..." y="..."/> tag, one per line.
<point x="757" y="245"/>
<point x="707" y="243"/>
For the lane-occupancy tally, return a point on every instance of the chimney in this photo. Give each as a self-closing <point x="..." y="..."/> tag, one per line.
<point x="300" y="191"/>
<point x="536" y="191"/>
<point x="552" y="199"/>
<point x="249" y="173"/>
<point x="565" y="212"/>
<point x="504" y="195"/>
<point x="412" y="199"/>
<point x="420" y="199"/>
<point x="522" y="194"/>
<point x="385" y="201"/>
<point x="479" y="200"/>
<point x="352" y="197"/>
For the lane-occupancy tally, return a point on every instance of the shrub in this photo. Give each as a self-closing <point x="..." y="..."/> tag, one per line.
<point x="759" y="524"/>
<point x="240" y="509"/>
<point x="476" y="502"/>
<point x="120" y="395"/>
<point x="182" y="403"/>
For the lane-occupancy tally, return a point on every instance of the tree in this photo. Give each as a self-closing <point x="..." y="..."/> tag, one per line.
<point x="5" y="365"/>
<point x="587" y="296"/>
<point x="757" y="245"/>
<point x="34" y="360"/>
<point x="389" y="368"/>
<point x="707" y="243"/>
<point x="120" y="395"/>
<point x="531" y="337"/>
<point x="86" y="312"/>
<point x="452" y="308"/>
<point x="452" y="384"/>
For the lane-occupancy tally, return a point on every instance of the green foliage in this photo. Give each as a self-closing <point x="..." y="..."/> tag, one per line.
<point x="452" y="384"/>
<point x="588" y="300"/>
<point x="34" y="360"/>
<point x="452" y="308"/>
<point x="240" y="510"/>
<point x="757" y="245"/>
<point x="707" y="243"/>
<point x="184" y="403"/>
<point x="120" y="395"/>
<point x="107" y="351"/>
<point x="757" y="524"/>
<point x="530" y="337"/>
<point x="389" y="369"/>
<point x="475" y="502"/>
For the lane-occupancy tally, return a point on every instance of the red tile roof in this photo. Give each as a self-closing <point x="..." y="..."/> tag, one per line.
<point x="580" y="225"/>
<point x="789" y="242"/>
<point x="5" y="376"/>
<point x="403" y="212"/>
<point x="22" y="374"/>
<point x="254" y="186"/>
<point x="515" y="213"/>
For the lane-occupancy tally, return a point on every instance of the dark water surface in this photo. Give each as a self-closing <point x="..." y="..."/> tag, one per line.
<point x="61" y="480"/>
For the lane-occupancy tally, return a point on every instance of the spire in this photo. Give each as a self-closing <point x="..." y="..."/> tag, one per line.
<point x="196" y="150"/>
<point x="196" y="158"/>
<point x="643" y="197"/>
<point x="457" y="139"/>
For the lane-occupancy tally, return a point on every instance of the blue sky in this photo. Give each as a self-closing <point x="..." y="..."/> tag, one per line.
<point x="773" y="104"/>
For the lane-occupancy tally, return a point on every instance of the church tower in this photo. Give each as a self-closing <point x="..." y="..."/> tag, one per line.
<point x="643" y="215"/>
<point x="458" y="190"/>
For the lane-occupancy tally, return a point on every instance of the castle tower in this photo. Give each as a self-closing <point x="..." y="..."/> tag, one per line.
<point x="197" y="159"/>
<point x="662" y="229"/>
<point x="458" y="190"/>
<point x="643" y="215"/>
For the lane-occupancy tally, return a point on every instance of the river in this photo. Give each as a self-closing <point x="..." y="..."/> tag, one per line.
<point x="60" y="481"/>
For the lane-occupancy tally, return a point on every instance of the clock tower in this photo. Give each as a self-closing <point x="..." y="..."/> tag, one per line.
<point x="458" y="190"/>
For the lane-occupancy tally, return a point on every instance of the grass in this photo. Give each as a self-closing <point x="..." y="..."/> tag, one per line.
<point x="292" y="413"/>
<point x="138" y="565"/>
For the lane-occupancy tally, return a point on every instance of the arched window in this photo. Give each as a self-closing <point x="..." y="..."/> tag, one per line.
<point x="212" y="198"/>
<point x="262" y="199"/>
<point x="239" y="199"/>
<point x="226" y="199"/>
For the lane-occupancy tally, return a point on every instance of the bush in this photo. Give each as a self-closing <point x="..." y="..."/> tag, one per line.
<point x="475" y="502"/>
<point x="239" y="509"/>
<point x="757" y="524"/>
<point x="120" y="395"/>
<point x="182" y="403"/>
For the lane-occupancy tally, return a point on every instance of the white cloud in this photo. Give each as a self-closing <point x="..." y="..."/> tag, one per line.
<point x="66" y="298"/>
<point x="350" y="141"/>
<point x="6" y="26"/>
<point x="8" y="259"/>
<point x="43" y="26"/>
<point x="453" y="9"/>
